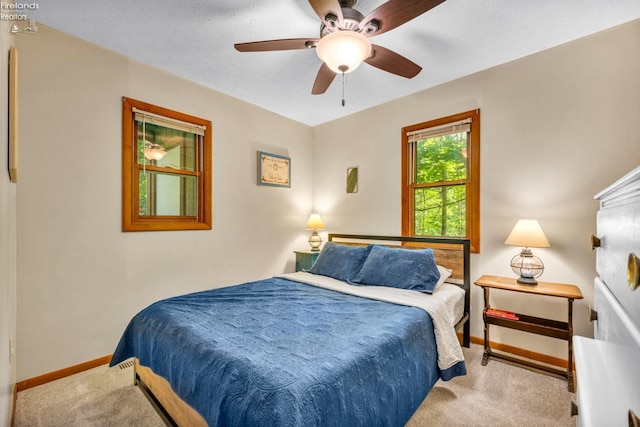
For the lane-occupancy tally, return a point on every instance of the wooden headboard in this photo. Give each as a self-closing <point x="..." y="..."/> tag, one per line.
<point x="453" y="253"/>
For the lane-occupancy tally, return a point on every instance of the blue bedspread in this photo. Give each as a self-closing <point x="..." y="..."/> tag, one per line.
<point x="282" y="353"/>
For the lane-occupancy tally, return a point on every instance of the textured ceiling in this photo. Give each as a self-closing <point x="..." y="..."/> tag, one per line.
<point x="194" y="39"/>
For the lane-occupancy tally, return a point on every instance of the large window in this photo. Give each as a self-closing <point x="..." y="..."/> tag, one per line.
<point x="166" y="169"/>
<point x="441" y="178"/>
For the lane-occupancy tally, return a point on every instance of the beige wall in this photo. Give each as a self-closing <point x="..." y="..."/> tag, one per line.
<point x="80" y="279"/>
<point x="7" y="242"/>
<point x="557" y="127"/>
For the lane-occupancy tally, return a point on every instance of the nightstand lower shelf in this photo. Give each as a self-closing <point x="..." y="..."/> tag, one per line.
<point x="534" y="325"/>
<point x="531" y="324"/>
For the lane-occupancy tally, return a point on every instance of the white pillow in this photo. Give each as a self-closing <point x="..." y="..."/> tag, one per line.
<point x="445" y="273"/>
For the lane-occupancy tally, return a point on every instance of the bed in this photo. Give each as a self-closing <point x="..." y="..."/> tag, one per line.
<point x="359" y="339"/>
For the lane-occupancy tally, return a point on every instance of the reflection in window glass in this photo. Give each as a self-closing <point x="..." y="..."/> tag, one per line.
<point x="177" y="149"/>
<point x="168" y="194"/>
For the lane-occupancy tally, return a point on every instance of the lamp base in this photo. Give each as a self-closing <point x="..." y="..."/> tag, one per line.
<point x="315" y="241"/>
<point x="527" y="281"/>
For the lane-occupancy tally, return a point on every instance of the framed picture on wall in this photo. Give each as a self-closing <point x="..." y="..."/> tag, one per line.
<point x="352" y="179"/>
<point x="274" y="170"/>
<point x="13" y="114"/>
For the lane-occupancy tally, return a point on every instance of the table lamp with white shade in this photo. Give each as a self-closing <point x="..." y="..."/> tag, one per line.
<point x="527" y="233"/>
<point x="315" y="223"/>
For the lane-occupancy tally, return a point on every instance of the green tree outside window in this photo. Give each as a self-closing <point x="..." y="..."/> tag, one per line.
<point x="440" y="210"/>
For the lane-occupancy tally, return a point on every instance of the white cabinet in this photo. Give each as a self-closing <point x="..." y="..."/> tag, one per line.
<point x="607" y="372"/>
<point x="606" y="367"/>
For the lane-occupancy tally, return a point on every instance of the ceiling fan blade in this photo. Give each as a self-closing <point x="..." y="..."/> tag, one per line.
<point x="323" y="80"/>
<point x="392" y="62"/>
<point x="282" y="44"/>
<point x="394" y="13"/>
<point x="327" y="7"/>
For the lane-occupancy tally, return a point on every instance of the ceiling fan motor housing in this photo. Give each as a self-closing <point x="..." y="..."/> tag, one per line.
<point x="351" y="19"/>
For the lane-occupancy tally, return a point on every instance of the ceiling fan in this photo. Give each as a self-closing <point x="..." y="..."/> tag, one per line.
<point x="344" y="38"/>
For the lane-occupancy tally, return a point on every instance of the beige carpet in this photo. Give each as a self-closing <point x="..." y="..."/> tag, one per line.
<point x="495" y="395"/>
<point x="103" y="396"/>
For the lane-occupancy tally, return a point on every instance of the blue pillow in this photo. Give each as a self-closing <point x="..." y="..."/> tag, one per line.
<point x="413" y="269"/>
<point x="342" y="262"/>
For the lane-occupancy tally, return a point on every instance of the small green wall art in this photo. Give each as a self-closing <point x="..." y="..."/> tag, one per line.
<point x="352" y="179"/>
<point x="274" y="170"/>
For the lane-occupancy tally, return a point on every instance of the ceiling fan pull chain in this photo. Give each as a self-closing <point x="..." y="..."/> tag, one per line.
<point x="343" y="88"/>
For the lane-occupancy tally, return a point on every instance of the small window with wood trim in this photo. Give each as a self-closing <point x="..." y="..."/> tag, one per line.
<point x="441" y="178"/>
<point x="166" y="169"/>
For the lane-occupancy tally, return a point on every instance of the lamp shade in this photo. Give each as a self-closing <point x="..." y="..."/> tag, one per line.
<point x="315" y="222"/>
<point x="343" y="51"/>
<point x="527" y="233"/>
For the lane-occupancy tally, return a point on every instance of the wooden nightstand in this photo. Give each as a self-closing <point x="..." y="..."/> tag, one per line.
<point x="534" y="325"/>
<point x="305" y="259"/>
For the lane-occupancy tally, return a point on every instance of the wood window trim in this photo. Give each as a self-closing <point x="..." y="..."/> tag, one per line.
<point x="131" y="220"/>
<point x="473" y="189"/>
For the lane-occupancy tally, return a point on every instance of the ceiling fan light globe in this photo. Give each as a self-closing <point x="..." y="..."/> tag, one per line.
<point x="343" y="51"/>
<point x="154" y="153"/>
